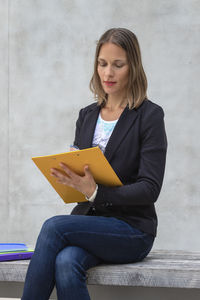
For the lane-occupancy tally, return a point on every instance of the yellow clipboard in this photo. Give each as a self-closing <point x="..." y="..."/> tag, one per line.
<point x="76" y="160"/>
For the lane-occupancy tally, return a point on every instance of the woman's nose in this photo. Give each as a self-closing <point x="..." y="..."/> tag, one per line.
<point x="109" y="71"/>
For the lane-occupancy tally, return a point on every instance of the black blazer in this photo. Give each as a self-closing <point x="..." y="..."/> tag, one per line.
<point x="137" y="152"/>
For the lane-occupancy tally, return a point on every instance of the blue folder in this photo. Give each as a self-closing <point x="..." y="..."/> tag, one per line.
<point x="6" y="256"/>
<point x="14" y="251"/>
<point x="12" y="247"/>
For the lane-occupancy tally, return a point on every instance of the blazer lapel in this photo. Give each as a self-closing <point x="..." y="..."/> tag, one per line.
<point x="89" y="126"/>
<point x="125" y="121"/>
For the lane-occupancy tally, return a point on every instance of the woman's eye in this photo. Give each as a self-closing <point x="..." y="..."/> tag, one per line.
<point x="119" y="66"/>
<point x="101" y="64"/>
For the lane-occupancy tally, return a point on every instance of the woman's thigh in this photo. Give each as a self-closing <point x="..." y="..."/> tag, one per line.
<point x="108" y="238"/>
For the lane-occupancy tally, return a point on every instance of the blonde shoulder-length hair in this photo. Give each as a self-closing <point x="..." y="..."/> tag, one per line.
<point x="137" y="84"/>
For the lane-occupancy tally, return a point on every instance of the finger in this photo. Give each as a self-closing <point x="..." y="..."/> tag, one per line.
<point x="65" y="181"/>
<point x="53" y="173"/>
<point x="57" y="173"/>
<point x="61" y="177"/>
<point x="73" y="149"/>
<point x="64" y="178"/>
<point x="87" y="171"/>
<point x="68" y="171"/>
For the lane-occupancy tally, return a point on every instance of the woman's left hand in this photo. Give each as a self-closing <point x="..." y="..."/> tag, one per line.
<point x="84" y="184"/>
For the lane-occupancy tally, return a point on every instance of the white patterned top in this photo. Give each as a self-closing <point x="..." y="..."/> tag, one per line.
<point x="102" y="133"/>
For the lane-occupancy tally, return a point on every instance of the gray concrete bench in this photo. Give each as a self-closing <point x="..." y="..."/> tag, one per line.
<point x="169" y="269"/>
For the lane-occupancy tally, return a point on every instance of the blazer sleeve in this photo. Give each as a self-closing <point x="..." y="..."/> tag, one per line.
<point x="146" y="188"/>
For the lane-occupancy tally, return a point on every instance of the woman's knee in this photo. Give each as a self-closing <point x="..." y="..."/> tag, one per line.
<point x="51" y="224"/>
<point x="49" y="229"/>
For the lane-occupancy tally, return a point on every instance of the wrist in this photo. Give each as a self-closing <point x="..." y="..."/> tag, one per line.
<point x="91" y="196"/>
<point x="91" y="191"/>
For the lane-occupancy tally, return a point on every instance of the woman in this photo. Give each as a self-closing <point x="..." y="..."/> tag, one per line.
<point x="115" y="224"/>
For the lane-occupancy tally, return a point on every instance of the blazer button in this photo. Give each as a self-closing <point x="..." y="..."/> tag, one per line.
<point x="93" y="209"/>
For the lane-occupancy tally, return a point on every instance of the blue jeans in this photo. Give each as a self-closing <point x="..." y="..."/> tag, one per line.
<point x="69" y="245"/>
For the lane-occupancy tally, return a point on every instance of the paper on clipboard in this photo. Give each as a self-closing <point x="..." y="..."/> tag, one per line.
<point x="76" y="160"/>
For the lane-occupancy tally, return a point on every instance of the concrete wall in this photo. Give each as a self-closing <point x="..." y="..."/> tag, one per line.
<point x="46" y="58"/>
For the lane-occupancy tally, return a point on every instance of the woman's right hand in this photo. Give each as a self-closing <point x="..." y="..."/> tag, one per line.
<point x="73" y="148"/>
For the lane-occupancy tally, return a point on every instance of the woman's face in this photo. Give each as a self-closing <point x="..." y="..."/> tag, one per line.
<point x="113" y="69"/>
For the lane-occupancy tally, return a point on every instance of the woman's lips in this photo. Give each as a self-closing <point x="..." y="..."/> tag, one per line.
<point x="109" y="83"/>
